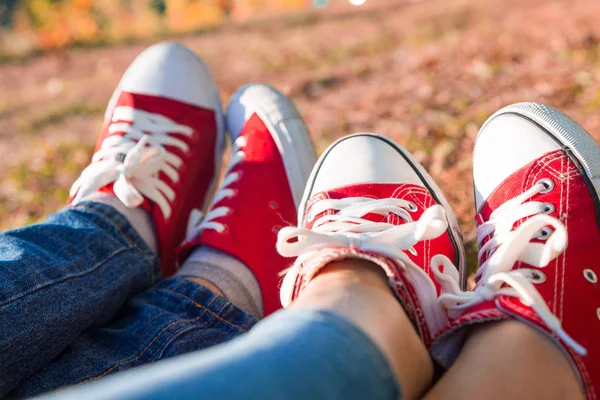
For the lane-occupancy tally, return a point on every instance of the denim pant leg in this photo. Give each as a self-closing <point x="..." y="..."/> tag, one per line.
<point x="294" y="354"/>
<point x="174" y="317"/>
<point x="62" y="276"/>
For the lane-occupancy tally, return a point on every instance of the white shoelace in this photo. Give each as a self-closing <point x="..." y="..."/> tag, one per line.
<point x="504" y="249"/>
<point x="133" y="161"/>
<point x="198" y="222"/>
<point x="348" y="228"/>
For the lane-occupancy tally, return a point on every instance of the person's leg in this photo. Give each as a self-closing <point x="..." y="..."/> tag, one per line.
<point x="62" y="276"/>
<point x="163" y="134"/>
<point x="362" y="309"/>
<point x="346" y="337"/>
<point x="182" y="314"/>
<point x="359" y="292"/>
<point x="508" y="360"/>
<point x="538" y="229"/>
<point x="173" y="317"/>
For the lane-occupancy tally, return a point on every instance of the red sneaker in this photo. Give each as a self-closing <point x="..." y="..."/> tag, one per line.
<point x="271" y="160"/>
<point x="367" y="198"/>
<point x="528" y="197"/>
<point x="161" y="144"/>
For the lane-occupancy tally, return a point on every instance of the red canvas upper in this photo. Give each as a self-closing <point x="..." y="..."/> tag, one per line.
<point x="424" y="250"/>
<point x="574" y="300"/>
<point x="195" y="174"/>
<point x="261" y="205"/>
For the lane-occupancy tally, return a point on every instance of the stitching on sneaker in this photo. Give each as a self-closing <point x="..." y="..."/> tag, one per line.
<point x="564" y="260"/>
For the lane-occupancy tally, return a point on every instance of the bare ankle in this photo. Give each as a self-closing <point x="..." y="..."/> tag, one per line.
<point x="533" y="360"/>
<point x="507" y="360"/>
<point x="358" y="291"/>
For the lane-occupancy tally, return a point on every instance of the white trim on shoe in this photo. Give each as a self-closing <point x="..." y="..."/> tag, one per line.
<point x="285" y="125"/>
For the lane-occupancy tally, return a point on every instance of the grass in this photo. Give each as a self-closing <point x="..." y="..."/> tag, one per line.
<point x="57" y="115"/>
<point x="40" y="182"/>
<point x="425" y="74"/>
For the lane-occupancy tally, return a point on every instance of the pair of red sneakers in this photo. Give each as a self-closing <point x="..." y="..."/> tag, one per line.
<point x="536" y="182"/>
<point x="537" y="186"/>
<point x="161" y="148"/>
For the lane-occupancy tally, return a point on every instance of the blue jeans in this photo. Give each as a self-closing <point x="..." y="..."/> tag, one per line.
<point x="80" y="298"/>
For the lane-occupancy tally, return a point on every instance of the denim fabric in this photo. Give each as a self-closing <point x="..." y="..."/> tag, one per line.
<point x="58" y="278"/>
<point x="79" y="301"/>
<point x="294" y="354"/>
<point x="174" y="317"/>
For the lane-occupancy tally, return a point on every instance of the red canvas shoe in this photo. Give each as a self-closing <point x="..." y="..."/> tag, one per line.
<point x="536" y="180"/>
<point x="161" y="144"/>
<point x="272" y="157"/>
<point x="367" y="198"/>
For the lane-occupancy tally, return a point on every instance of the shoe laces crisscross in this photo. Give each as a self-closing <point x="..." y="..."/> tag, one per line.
<point x="133" y="156"/>
<point x="507" y="246"/>
<point x="348" y="228"/>
<point x="198" y="221"/>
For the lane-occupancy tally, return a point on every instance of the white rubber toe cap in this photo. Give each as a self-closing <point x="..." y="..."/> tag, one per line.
<point x="506" y="143"/>
<point x="258" y="98"/>
<point x="285" y="125"/>
<point x="173" y="71"/>
<point x="363" y="159"/>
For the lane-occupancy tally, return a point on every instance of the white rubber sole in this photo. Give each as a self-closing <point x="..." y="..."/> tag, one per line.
<point x="287" y="129"/>
<point x="428" y="182"/>
<point x="565" y="131"/>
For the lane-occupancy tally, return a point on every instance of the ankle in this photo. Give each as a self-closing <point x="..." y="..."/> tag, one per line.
<point x="358" y="291"/>
<point x="534" y="365"/>
<point x="138" y="217"/>
<point x="226" y="276"/>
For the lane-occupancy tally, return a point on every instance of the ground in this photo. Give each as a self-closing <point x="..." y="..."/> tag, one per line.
<point x="425" y="73"/>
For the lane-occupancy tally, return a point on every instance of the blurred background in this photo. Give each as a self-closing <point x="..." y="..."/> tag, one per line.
<point x="424" y="72"/>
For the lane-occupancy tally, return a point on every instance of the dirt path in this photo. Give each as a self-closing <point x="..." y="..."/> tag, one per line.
<point x="426" y="73"/>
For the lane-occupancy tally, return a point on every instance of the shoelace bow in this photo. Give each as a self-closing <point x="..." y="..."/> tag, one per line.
<point x="134" y="159"/>
<point x="198" y="222"/>
<point x="348" y="228"/>
<point x="505" y="248"/>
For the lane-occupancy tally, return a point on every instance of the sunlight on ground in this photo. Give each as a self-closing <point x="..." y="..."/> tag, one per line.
<point x="34" y="25"/>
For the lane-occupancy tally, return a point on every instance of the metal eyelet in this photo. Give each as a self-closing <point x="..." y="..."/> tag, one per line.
<point x="413" y="251"/>
<point x="545" y="233"/>
<point x="598" y="312"/>
<point x="548" y="184"/>
<point x="548" y="208"/>
<point x="590" y="275"/>
<point x="538" y="277"/>
<point x="241" y="141"/>
<point x="412" y="207"/>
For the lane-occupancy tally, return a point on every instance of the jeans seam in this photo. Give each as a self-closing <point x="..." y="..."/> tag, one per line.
<point x="116" y="225"/>
<point x="71" y="276"/>
<point x="179" y="333"/>
<point x="154" y="339"/>
<point x="204" y="309"/>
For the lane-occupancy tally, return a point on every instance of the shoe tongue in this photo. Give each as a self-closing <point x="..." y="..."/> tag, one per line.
<point x="373" y="191"/>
